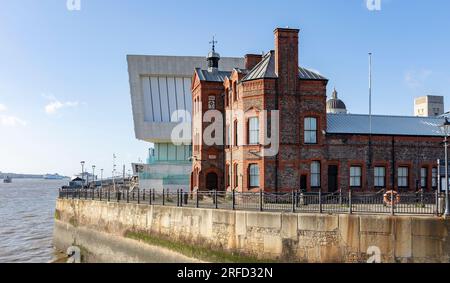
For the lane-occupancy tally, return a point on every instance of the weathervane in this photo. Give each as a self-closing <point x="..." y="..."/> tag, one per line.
<point x="213" y="42"/>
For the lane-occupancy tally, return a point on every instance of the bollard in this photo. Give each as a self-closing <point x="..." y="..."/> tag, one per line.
<point x="139" y="196"/>
<point x="154" y="195"/>
<point x="93" y="194"/>
<point x="143" y="195"/>
<point x="150" y="196"/>
<point x="178" y="197"/>
<point x="128" y="196"/>
<point x="109" y="194"/>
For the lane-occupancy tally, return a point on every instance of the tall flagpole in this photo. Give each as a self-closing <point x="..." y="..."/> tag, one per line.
<point x="372" y="181"/>
<point x="370" y="93"/>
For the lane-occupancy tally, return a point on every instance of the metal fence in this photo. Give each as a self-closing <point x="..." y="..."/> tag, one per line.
<point x="419" y="203"/>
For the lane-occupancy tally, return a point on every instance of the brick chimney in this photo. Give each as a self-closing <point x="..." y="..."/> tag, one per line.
<point x="286" y="58"/>
<point x="251" y="60"/>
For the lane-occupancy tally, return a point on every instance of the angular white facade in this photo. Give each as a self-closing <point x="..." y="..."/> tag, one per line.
<point x="161" y="85"/>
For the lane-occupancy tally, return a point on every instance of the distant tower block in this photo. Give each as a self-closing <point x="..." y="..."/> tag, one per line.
<point x="429" y="106"/>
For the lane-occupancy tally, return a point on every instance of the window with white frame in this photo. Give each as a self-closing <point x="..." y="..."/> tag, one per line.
<point x="434" y="180"/>
<point x="310" y="131"/>
<point x="253" y="172"/>
<point x="424" y="178"/>
<point x="380" y="177"/>
<point x="355" y="176"/>
<point x="315" y="174"/>
<point x="253" y="130"/>
<point x="403" y="177"/>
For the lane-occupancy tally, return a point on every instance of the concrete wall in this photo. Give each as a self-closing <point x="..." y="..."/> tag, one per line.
<point x="274" y="236"/>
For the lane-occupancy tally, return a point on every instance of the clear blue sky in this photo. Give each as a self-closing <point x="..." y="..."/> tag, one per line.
<point x="64" y="93"/>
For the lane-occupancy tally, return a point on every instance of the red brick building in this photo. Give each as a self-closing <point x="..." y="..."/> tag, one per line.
<point x="316" y="150"/>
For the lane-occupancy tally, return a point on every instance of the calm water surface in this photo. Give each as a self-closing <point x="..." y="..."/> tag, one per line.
<point x="27" y="209"/>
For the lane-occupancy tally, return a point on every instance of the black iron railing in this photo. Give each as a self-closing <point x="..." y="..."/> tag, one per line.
<point x="418" y="203"/>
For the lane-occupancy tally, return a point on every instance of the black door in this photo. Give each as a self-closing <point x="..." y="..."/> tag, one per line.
<point x="303" y="183"/>
<point x="332" y="178"/>
<point x="212" y="181"/>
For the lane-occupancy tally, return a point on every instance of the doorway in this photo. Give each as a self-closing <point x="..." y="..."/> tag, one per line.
<point x="212" y="182"/>
<point x="304" y="183"/>
<point x="332" y="178"/>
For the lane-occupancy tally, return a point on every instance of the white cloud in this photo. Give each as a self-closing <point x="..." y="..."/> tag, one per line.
<point x="56" y="105"/>
<point x="416" y="79"/>
<point x="8" y="120"/>
<point x="11" y="121"/>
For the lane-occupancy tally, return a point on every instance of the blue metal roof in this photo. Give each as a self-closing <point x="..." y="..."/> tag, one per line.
<point x="384" y="125"/>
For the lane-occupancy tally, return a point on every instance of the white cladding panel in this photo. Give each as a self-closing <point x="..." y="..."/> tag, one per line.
<point x="163" y="96"/>
<point x="161" y="85"/>
<point x="173" y="103"/>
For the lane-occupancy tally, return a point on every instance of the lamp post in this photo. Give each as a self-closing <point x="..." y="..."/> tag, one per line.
<point x="82" y="173"/>
<point x="446" y="130"/>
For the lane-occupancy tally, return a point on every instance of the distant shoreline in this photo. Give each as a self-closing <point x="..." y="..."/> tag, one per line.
<point x="25" y="176"/>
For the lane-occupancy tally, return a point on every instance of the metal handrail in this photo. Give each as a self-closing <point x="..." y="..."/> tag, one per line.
<point x="414" y="203"/>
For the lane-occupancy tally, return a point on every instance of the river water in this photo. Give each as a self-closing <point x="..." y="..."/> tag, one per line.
<point x="27" y="209"/>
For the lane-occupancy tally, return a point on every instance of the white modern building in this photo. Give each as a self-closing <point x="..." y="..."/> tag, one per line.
<point x="429" y="106"/>
<point x="161" y="85"/>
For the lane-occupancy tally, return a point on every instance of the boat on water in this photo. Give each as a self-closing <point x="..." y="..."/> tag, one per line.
<point x="7" y="180"/>
<point x="53" y="177"/>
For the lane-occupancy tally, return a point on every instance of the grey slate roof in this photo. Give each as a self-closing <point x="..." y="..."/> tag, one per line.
<point x="266" y="70"/>
<point x="215" y="76"/>
<point x="306" y="74"/>
<point x="384" y="125"/>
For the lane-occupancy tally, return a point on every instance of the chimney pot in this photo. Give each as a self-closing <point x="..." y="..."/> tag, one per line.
<point x="251" y="60"/>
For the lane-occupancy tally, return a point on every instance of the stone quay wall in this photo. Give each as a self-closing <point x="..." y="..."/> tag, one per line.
<point x="282" y="237"/>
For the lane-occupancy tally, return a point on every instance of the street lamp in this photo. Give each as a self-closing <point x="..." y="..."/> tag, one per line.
<point x="446" y="131"/>
<point x="82" y="173"/>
